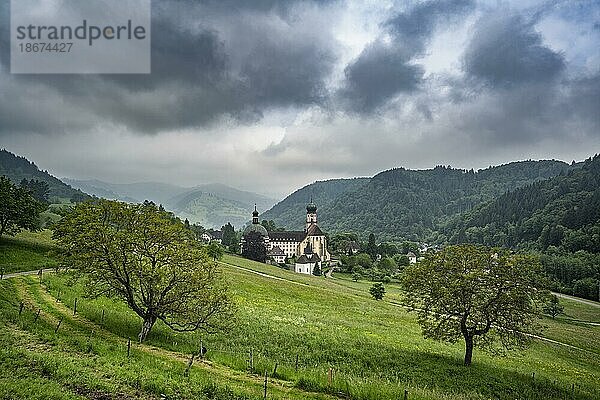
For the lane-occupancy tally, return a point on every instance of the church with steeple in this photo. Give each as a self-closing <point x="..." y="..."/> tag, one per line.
<point x="308" y="247"/>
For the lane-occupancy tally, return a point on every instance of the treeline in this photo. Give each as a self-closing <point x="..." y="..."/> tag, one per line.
<point x="401" y="204"/>
<point x="17" y="168"/>
<point x="559" y="217"/>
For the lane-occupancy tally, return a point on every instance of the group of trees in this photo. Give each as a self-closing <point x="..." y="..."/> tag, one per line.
<point x="559" y="217"/>
<point x="20" y="206"/>
<point x="378" y="262"/>
<point x="19" y="169"/>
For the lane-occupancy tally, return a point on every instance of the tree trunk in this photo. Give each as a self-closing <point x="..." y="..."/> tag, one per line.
<point x="146" y="327"/>
<point x="468" y="349"/>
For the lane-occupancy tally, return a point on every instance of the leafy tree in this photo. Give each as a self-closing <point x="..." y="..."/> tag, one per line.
<point x="478" y="293"/>
<point x="18" y="209"/>
<point x="356" y="277"/>
<point x="215" y="251"/>
<point x="387" y="265"/>
<point x="317" y="270"/>
<point x="402" y="260"/>
<point x="553" y="307"/>
<point x="186" y="223"/>
<point x="270" y="226"/>
<point x="362" y="259"/>
<point x="587" y="287"/>
<point x="229" y="236"/>
<point x="254" y="247"/>
<point x="138" y="254"/>
<point x="198" y="230"/>
<point x="371" y="248"/>
<point x="377" y="291"/>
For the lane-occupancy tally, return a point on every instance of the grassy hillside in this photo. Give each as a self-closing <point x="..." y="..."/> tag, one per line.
<point x="27" y="251"/>
<point x="402" y="204"/>
<point x="375" y="348"/>
<point x="17" y="168"/>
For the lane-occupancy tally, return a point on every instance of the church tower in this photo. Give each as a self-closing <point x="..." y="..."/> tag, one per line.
<point x="255" y="216"/>
<point x="311" y="214"/>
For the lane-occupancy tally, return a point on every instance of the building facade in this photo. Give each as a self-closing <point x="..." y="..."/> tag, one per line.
<point x="308" y="247"/>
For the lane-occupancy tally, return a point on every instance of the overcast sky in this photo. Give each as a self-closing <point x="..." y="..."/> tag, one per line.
<point x="273" y="95"/>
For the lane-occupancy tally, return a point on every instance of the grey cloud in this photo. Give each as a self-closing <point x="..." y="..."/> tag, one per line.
<point x="506" y="50"/>
<point x="386" y="68"/>
<point x="380" y="73"/>
<point x="193" y="82"/>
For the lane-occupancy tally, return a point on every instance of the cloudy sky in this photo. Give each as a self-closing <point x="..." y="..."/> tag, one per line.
<point x="271" y="95"/>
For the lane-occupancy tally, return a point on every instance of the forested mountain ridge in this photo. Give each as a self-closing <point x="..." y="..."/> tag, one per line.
<point x="401" y="204"/>
<point x="17" y="168"/>
<point x="562" y="211"/>
<point x="289" y="212"/>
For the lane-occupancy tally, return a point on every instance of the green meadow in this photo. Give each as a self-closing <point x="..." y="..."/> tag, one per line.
<point x="27" y="251"/>
<point x="315" y="337"/>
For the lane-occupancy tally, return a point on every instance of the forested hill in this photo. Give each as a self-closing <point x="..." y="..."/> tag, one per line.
<point x="403" y="204"/>
<point x="17" y="168"/>
<point x="563" y="211"/>
<point x="291" y="212"/>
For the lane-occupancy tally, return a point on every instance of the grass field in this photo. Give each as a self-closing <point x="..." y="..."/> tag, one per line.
<point x="26" y="251"/>
<point x="375" y="349"/>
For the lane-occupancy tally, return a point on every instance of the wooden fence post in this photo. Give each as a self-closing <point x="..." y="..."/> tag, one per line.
<point x="189" y="366"/>
<point x="329" y="376"/>
<point x="274" y="370"/>
<point x="21" y="308"/>
<point x="58" y="326"/>
<point x="128" y="347"/>
<point x="265" y="393"/>
<point x="37" y="315"/>
<point x="251" y="361"/>
<point x="102" y="318"/>
<point x="296" y="362"/>
<point x="405" y="394"/>
<point x="75" y="307"/>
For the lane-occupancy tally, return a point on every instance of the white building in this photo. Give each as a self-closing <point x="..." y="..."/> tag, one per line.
<point x="309" y="246"/>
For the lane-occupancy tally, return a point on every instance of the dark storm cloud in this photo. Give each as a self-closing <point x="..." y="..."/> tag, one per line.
<point x="193" y="82"/>
<point x="386" y="68"/>
<point x="506" y="50"/>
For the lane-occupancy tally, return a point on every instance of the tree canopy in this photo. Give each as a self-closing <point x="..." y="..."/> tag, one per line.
<point x="377" y="290"/>
<point x="483" y="295"/>
<point x="254" y="247"/>
<point x="18" y="209"/>
<point x="140" y="255"/>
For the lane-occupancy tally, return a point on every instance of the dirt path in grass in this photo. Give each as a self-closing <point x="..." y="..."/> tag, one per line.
<point x="25" y="273"/>
<point x="577" y="299"/>
<point x="263" y="274"/>
<point x="49" y="307"/>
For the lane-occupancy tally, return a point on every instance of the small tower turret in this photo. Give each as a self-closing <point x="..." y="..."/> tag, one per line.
<point x="255" y="215"/>
<point x="311" y="213"/>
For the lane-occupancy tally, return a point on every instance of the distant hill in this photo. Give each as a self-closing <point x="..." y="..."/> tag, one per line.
<point x="214" y="205"/>
<point x="563" y="211"/>
<point x="401" y="204"/>
<point x="17" y="168"/>
<point x="210" y="205"/>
